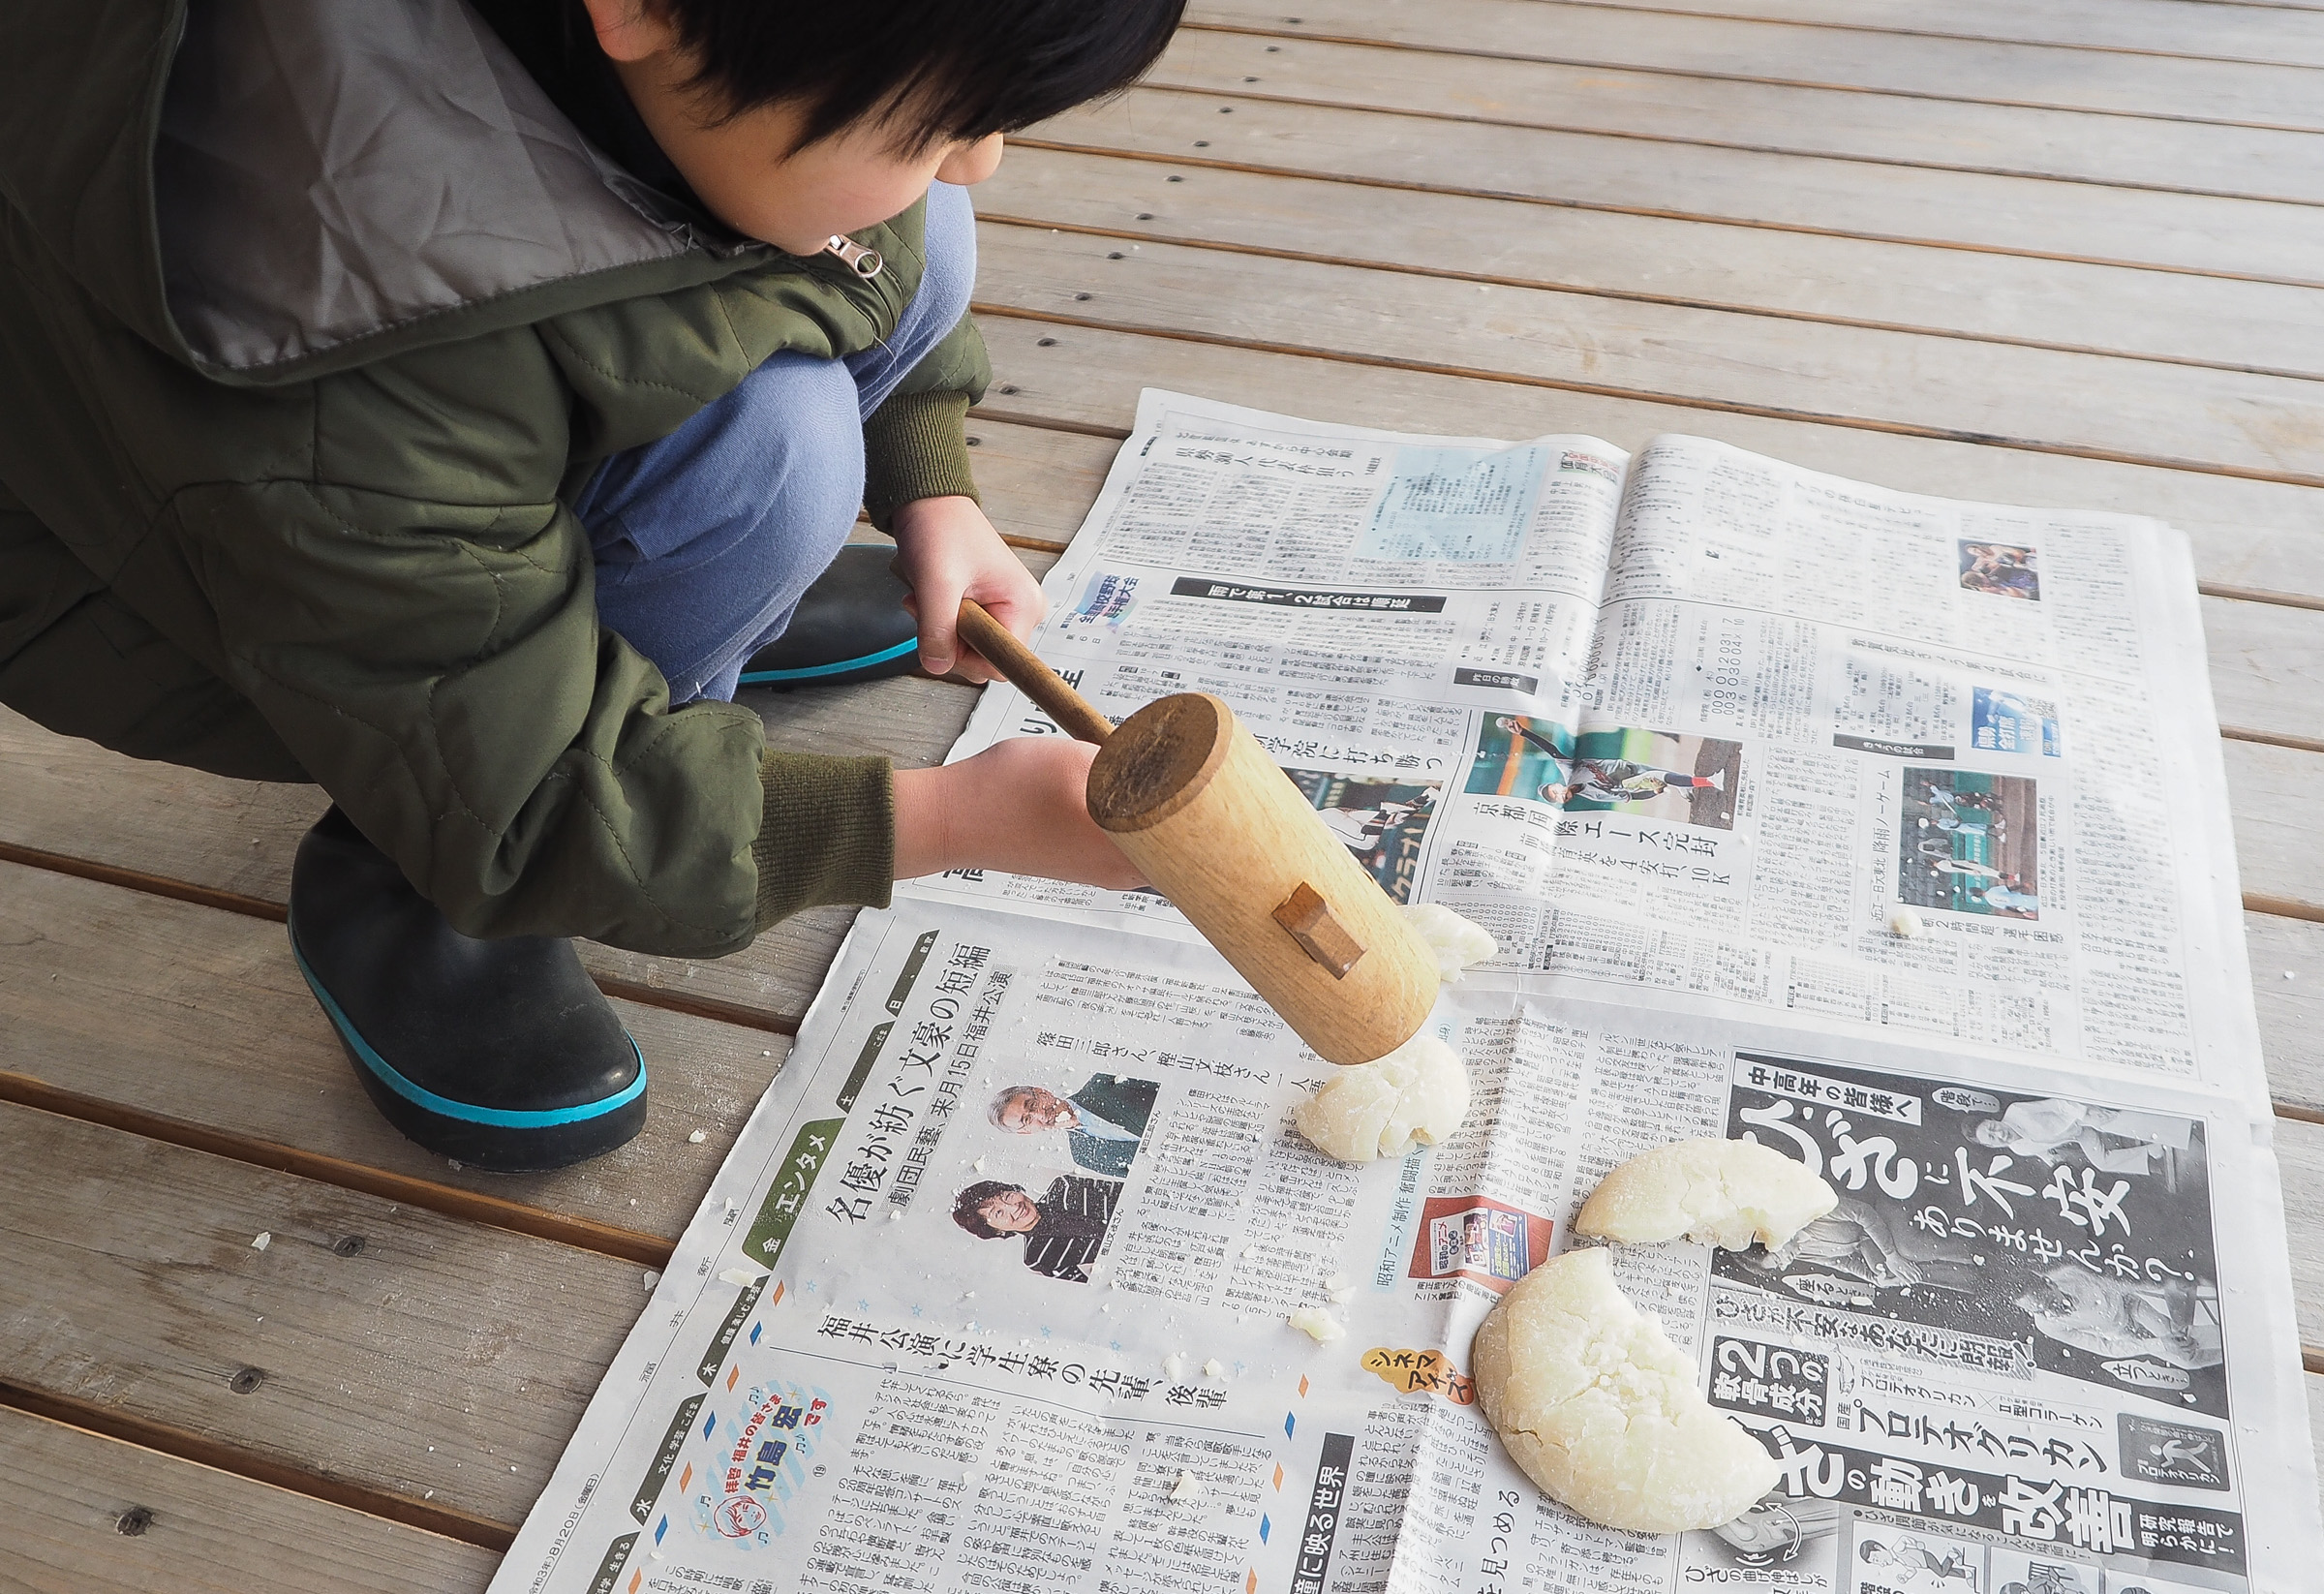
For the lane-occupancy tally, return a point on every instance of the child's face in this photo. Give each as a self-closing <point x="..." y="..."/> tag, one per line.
<point x="748" y="169"/>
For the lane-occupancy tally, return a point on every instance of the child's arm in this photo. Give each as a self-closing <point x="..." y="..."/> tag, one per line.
<point x="1021" y="805"/>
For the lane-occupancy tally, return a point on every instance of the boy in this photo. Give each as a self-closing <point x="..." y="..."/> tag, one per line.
<point x="445" y="407"/>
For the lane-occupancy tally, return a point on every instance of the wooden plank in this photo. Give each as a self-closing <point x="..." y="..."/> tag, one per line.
<point x="2086" y="404"/>
<point x="2124" y="151"/>
<point x="2273" y="794"/>
<point x="201" y="1017"/>
<point x="61" y="798"/>
<point x="2012" y="297"/>
<point x="2201" y="29"/>
<point x="94" y="1516"/>
<point x="2267" y="668"/>
<point x="1959" y="70"/>
<point x="2291" y="1011"/>
<point x="2227" y="237"/>
<point x="1037" y="482"/>
<point x="443" y="1365"/>
<point x="2246" y="534"/>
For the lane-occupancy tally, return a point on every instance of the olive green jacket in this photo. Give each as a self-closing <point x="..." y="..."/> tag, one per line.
<point x="313" y="314"/>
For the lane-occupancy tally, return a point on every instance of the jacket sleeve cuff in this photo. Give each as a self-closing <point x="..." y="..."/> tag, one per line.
<point x="826" y="833"/>
<point x="916" y="445"/>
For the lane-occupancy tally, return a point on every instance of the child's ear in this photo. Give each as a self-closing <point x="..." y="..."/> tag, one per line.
<point x="631" y="30"/>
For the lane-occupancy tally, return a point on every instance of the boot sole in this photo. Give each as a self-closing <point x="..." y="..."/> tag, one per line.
<point x="497" y="1140"/>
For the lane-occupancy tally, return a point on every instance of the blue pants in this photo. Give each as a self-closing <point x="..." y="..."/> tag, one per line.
<point x="706" y="538"/>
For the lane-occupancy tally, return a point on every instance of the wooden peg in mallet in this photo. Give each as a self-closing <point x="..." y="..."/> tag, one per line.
<point x="1192" y="799"/>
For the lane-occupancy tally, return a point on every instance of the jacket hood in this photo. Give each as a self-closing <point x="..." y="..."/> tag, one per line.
<point x="274" y="189"/>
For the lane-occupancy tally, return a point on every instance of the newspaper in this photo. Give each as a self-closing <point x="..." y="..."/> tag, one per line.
<point x="992" y="1294"/>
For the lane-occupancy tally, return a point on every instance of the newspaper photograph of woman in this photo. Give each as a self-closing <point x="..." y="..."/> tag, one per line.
<point x="2066" y="1234"/>
<point x="1384" y="823"/>
<point x="1969" y="844"/>
<point x="1688" y="780"/>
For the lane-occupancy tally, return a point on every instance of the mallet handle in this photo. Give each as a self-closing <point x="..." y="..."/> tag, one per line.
<point x="1031" y="677"/>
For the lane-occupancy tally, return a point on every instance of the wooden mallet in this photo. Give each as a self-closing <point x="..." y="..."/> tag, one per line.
<point x="1193" y="800"/>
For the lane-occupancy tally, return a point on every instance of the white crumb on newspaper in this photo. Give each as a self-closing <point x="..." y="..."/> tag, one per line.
<point x="1688" y="732"/>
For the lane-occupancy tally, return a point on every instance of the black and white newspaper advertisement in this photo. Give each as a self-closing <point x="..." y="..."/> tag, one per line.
<point x="1885" y="831"/>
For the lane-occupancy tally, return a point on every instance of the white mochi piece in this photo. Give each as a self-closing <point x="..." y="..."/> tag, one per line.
<point x="1597" y="1406"/>
<point x="1457" y="942"/>
<point x="1726" y="1192"/>
<point x="1317" y="1324"/>
<point x="1418" y="1093"/>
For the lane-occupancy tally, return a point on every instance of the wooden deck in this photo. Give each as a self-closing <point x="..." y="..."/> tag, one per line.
<point x="2065" y="253"/>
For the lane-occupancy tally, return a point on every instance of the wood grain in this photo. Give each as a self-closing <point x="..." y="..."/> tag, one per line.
<point x="2038" y="399"/>
<point x="2271" y="798"/>
<point x="2250" y="534"/>
<point x="2291" y="1011"/>
<point x="1693" y="42"/>
<point x="72" y="1528"/>
<point x="201" y="1017"/>
<point x="2228" y="237"/>
<point x="2193" y="28"/>
<point x="2160" y="315"/>
<point x="64" y="796"/>
<point x="1190" y="796"/>
<point x="441" y="1357"/>
<point x="1727" y="112"/>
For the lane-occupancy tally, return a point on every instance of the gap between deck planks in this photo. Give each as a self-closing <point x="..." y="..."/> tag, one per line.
<point x="88" y="1513"/>
<point x="2265" y="539"/>
<point x="187" y="1022"/>
<point x="438" y="1357"/>
<point x="433" y="1373"/>
<point x="2210" y="422"/>
<point x="2228" y="32"/>
<point x="2073" y="146"/>
<point x="2156" y="316"/>
<point x="1538" y="169"/>
<point x="182" y="1004"/>
<point x="1961" y="72"/>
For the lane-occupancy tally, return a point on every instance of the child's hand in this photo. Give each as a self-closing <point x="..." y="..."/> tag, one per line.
<point x="1020" y="804"/>
<point x="947" y="550"/>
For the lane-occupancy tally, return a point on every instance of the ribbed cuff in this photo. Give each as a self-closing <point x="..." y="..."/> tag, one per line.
<point x="826" y="833"/>
<point x="916" y="445"/>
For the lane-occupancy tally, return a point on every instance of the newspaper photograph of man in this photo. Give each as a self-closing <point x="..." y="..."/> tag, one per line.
<point x="2000" y="570"/>
<point x="2015" y="1231"/>
<point x="1969" y="844"/>
<point x="1689" y="780"/>
<point x="1063" y="1228"/>
<point x="1382" y="823"/>
<point x="1103" y="1121"/>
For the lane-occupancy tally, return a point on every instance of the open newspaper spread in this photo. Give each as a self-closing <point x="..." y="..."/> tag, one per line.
<point x="1686" y="731"/>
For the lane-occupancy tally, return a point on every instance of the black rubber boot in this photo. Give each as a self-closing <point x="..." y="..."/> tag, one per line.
<point x="851" y="625"/>
<point x="502" y="1055"/>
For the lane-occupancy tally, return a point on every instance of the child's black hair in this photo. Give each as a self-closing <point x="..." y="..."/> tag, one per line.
<point x="935" y="70"/>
